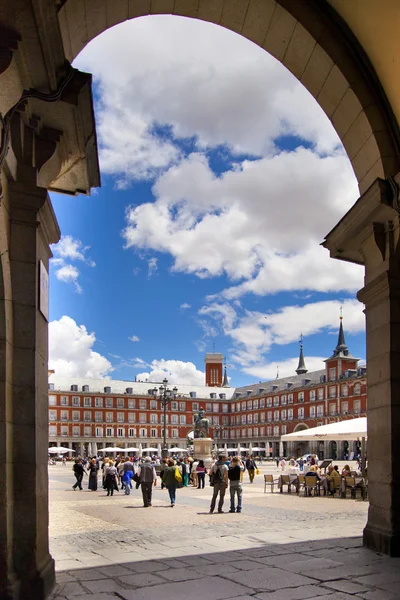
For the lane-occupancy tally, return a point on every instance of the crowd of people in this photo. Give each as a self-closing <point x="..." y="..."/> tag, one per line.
<point x="123" y="473"/>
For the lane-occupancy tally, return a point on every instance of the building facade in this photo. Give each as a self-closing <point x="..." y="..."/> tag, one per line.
<point x="87" y="416"/>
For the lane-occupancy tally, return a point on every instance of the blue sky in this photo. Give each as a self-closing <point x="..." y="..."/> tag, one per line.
<point x="220" y="177"/>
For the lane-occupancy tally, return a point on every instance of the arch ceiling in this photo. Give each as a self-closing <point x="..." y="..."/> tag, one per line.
<point x="306" y="36"/>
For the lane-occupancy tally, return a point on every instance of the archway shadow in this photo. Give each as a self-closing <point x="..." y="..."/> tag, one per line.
<point x="290" y="570"/>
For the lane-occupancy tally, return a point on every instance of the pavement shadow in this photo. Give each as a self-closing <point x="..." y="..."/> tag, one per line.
<point x="333" y="567"/>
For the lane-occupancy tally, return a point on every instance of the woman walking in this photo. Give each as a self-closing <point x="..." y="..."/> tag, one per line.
<point x="185" y="472"/>
<point x="201" y="474"/>
<point x="111" y="479"/>
<point x="194" y="472"/>
<point x="93" y="469"/>
<point x="170" y="481"/>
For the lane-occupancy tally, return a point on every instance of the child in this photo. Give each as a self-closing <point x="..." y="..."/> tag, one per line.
<point x="235" y="469"/>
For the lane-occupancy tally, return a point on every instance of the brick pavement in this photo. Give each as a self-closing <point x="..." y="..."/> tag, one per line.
<point x="281" y="547"/>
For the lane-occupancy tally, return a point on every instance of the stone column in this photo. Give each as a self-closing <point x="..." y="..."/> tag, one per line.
<point x="382" y="309"/>
<point x="26" y="567"/>
<point x="369" y="234"/>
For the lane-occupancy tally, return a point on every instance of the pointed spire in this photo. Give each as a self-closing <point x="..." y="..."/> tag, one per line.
<point x="225" y="382"/>
<point x="301" y="369"/>
<point x="341" y="345"/>
<point x="277" y="371"/>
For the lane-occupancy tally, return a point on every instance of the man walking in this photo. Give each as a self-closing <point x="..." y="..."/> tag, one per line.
<point x="78" y="472"/>
<point x="148" y="478"/>
<point x="219" y="477"/>
<point x="251" y="467"/>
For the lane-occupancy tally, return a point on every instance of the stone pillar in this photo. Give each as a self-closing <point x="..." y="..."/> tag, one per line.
<point x="26" y="567"/>
<point x="382" y="309"/>
<point x="369" y="234"/>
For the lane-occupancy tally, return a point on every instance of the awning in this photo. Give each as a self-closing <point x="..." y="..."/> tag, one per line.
<point x="59" y="450"/>
<point x="350" y="429"/>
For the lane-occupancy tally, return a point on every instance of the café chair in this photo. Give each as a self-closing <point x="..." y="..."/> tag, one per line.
<point x="311" y="485"/>
<point x="269" y="480"/>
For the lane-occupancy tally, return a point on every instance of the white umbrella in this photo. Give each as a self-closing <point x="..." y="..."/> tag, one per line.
<point x="176" y="449"/>
<point x="351" y="429"/>
<point x="59" y="450"/>
<point x="149" y="450"/>
<point x="111" y="449"/>
<point x="140" y="448"/>
<point x="159" y="449"/>
<point x="250" y="448"/>
<point x="231" y="449"/>
<point x="132" y="449"/>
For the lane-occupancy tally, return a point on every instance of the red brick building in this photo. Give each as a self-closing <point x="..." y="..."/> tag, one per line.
<point x="88" y="415"/>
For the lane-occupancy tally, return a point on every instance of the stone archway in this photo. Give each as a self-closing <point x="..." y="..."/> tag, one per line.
<point x="317" y="46"/>
<point x="308" y="38"/>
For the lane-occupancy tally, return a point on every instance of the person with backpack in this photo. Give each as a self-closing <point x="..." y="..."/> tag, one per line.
<point x="219" y="480"/>
<point x="235" y="468"/>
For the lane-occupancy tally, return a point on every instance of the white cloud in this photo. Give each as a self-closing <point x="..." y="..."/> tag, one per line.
<point x="152" y="266"/>
<point x="268" y="370"/>
<point x="134" y="338"/>
<point x="261" y="224"/>
<point x="69" y="274"/>
<point x="254" y="333"/>
<point x="198" y="80"/>
<point x="72" y="249"/>
<point x="71" y="351"/>
<point x="176" y="371"/>
<point x="224" y="313"/>
<point x="185" y="306"/>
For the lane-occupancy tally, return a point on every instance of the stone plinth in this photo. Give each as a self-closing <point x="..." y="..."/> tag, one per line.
<point x="203" y="449"/>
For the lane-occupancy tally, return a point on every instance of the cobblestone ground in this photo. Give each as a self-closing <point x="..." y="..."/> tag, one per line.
<point x="281" y="547"/>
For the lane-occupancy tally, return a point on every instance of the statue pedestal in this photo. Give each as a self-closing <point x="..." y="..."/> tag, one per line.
<point x="202" y="449"/>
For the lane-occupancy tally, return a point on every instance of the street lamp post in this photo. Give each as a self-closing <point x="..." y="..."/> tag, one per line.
<point x="218" y="429"/>
<point x="165" y="395"/>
